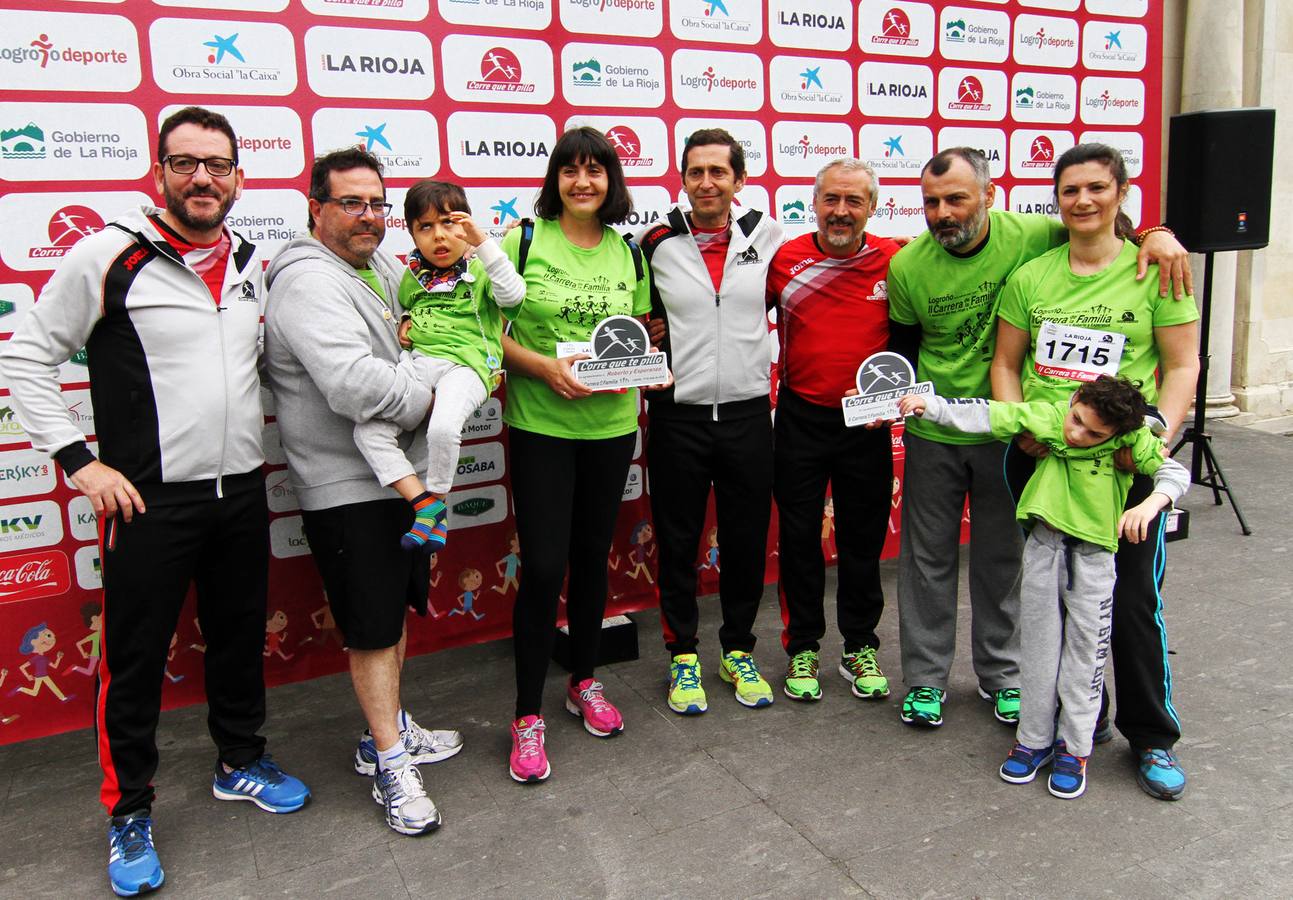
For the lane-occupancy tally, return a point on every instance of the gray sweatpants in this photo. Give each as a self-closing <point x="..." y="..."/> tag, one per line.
<point x="1066" y="619"/>
<point x="937" y="478"/>
<point x="458" y="393"/>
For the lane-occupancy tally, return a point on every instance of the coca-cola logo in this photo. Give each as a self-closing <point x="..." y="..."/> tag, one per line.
<point x="26" y="576"/>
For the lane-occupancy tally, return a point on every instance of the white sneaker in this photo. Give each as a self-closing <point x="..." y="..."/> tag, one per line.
<point x="408" y="808"/>
<point x="423" y="745"/>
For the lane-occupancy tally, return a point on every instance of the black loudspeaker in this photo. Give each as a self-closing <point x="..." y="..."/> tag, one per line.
<point x="1219" y="169"/>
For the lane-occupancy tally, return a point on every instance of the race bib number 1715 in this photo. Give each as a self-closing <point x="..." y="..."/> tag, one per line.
<point x="1079" y="354"/>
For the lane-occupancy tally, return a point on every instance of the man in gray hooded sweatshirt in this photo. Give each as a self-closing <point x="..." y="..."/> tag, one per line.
<point x="331" y="351"/>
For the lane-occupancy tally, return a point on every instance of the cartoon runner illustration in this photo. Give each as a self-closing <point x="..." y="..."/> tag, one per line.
<point x="895" y="500"/>
<point x="828" y="530"/>
<point x="507" y="566"/>
<point x="470" y="581"/>
<point x="201" y="648"/>
<point x="711" y="555"/>
<point x="92" y="616"/>
<point x="5" y="720"/>
<point x="276" y="634"/>
<point x="326" y="625"/>
<point x="435" y="580"/>
<point x="170" y="658"/>
<point x="38" y="641"/>
<point x="643" y="549"/>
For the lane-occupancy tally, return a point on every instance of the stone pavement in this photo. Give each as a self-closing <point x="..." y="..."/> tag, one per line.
<point x="825" y="800"/>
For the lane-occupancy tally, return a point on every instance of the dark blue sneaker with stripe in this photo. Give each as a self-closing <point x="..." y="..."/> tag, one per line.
<point x="133" y="866"/>
<point x="1068" y="774"/>
<point x="1023" y="762"/>
<point x="263" y="783"/>
<point x="1159" y="773"/>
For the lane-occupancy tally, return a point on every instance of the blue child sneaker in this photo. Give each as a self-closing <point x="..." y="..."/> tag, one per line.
<point x="263" y="783"/>
<point x="1068" y="774"/>
<point x="1160" y="774"/>
<point x="1023" y="762"/>
<point x="133" y="866"/>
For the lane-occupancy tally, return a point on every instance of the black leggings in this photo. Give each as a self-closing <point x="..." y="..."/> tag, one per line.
<point x="567" y="495"/>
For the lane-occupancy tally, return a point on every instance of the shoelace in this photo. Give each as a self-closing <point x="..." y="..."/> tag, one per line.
<point x="1160" y="758"/>
<point x="864" y="664"/>
<point x="803" y="666"/>
<point x="1067" y="763"/>
<point x="926" y="695"/>
<point x="134" y="839"/>
<point x="529" y="740"/>
<point x="1008" y="694"/>
<point x="688" y="676"/>
<point x="592" y="695"/>
<point x="745" y="669"/>
<point x="263" y="769"/>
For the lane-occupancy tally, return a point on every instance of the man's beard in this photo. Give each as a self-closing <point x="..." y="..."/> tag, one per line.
<point x="840" y="241"/>
<point x="964" y="233"/>
<point x="176" y="207"/>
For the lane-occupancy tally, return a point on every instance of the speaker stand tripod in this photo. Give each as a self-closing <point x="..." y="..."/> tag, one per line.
<point x="1202" y="454"/>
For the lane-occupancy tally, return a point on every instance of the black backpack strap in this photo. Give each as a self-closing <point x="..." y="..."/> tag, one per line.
<point x="638" y="269"/>
<point x="527" y="238"/>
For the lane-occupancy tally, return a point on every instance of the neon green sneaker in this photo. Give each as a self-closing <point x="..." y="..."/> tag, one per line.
<point x="863" y="672"/>
<point x="801" y="677"/>
<point x="738" y="669"/>
<point x="686" y="696"/>
<point x="923" y="706"/>
<point x="1005" y="704"/>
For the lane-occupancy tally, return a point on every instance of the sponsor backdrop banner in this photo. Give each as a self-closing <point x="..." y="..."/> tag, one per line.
<point x="477" y="91"/>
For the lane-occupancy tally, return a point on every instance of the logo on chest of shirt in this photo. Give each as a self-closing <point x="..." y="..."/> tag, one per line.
<point x="247" y="292"/>
<point x="749" y="257"/>
<point x="879" y="293"/>
<point x="802" y="264"/>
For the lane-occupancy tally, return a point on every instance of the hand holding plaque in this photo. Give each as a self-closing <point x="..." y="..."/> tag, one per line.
<point x="882" y="380"/>
<point x="622" y="357"/>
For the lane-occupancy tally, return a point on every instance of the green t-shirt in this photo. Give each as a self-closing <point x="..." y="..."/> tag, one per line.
<point x="568" y="290"/>
<point x="1046" y="290"/>
<point x="1076" y="490"/>
<point x="444" y="322"/>
<point x="954" y="300"/>
<point x="370" y="277"/>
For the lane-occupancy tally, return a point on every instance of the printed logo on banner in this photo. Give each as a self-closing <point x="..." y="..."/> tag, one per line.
<point x="749" y="133"/>
<point x="81" y="520"/>
<point x="287" y="537"/>
<point x="530" y="14"/>
<point x="895" y="151"/>
<point x="1043" y="98"/>
<point x="478" y="463"/>
<point x="485" y="422"/>
<point x="220" y="57"/>
<point x="974" y="34"/>
<point x="632" y="483"/>
<point x="1136" y="8"/>
<point x="896" y="28"/>
<point x="1129" y="143"/>
<point x="35" y="524"/>
<point x="489" y="70"/>
<point x="708" y="79"/>
<point x="642" y="144"/>
<point x="368" y="63"/>
<point x="610" y="76"/>
<point x="650" y="205"/>
<point x="80" y="409"/>
<point x="59" y="141"/>
<point x="495" y="208"/>
<point x="808" y="84"/>
<point x="1045" y="41"/>
<point x="721" y="21"/>
<point x="900" y="210"/>
<point x="54" y="51"/>
<point x="893" y="90"/>
<point x="25" y="473"/>
<point x="15" y="301"/>
<point x="828" y="25"/>
<point x="278" y="492"/>
<point x="801" y="148"/>
<point x="1112" y="101"/>
<point x="1120" y="46"/>
<point x="991" y="142"/>
<point x="794" y="208"/>
<point x="405" y="140"/>
<point x="631" y="18"/>
<point x="269" y="138"/>
<point x="477" y="506"/>
<point x="1033" y="153"/>
<point x="1034" y="198"/>
<point x="41" y="228"/>
<point x="89" y="568"/>
<point x="395" y="10"/>
<point x="268" y="218"/>
<point x="972" y="94"/>
<point x="481" y="144"/>
<point x="32" y="575"/>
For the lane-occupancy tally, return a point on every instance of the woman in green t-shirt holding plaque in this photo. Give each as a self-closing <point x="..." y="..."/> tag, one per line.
<point x="570" y="448"/>
<point x="1069" y="316"/>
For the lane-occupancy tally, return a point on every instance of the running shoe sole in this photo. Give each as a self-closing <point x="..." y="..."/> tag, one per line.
<point x="692" y="709"/>
<point x="574" y="711"/>
<point x="1024" y="779"/>
<point x="533" y="779"/>
<point x="757" y="704"/>
<point x="235" y="795"/>
<point x="411" y="832"/>
<point x="805" y="697"/>
<point x="995" y="714"/>
<point x="864" y="695"/>
<point x="146" y="889"/>
<point x="1063" y="796"/>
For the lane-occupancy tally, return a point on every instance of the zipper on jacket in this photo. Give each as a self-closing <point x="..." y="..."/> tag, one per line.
<point x="718" y="350"/>
<point x="224" y="373"/>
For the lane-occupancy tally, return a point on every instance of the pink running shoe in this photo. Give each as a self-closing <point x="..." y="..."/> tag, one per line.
<point x="528" y="763"/>
<point x="586" y="701"/>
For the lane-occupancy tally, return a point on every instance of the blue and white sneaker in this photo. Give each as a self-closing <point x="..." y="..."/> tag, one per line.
<point x="408" y="808"/>
<point x="423" y="745"/>
<point x="1023" y="762"/>
<point x="263" y="783"/>
<point x="1068" y="774"/>
<point x="133" y="866"/>
<point x="1159" y="773"/>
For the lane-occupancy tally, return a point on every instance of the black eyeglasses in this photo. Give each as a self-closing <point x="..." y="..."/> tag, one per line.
<point x="216" y="166"/>
<point x="353" y="206"/>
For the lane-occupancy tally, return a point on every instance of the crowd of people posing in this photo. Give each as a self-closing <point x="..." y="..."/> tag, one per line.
<point x="1059" y="365"/>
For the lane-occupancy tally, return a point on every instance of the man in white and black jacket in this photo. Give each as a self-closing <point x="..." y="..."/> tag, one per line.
<point x="713" y="427"/>
<point x="167" y="303"/>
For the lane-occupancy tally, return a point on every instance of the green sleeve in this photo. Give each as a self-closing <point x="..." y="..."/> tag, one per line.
<point x="481" y="290"/>
<point x="1168" y="310"/>
<point x="511" y="245"/>
<point x="642" y="293"/>
<point x="900" y="305"/>
<point x="1012" y="305"/>
<point x="409" y="288"/>
<point x="1146" y="451"/>
<point x="1043" y="420"/>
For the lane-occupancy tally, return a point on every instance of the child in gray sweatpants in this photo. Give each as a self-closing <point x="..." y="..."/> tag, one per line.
<point x="1073" y="508"/>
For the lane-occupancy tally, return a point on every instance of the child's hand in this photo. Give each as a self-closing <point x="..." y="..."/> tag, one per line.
<point x="912" y="405"/>
<point x="470" y="233"/>
<point x="1135" y="522"/>
<point x="404" y="334"/>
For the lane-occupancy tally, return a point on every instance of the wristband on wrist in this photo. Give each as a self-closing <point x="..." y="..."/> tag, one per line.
<point x="1141" y="235"/>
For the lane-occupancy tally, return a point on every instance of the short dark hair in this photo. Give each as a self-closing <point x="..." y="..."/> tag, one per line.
<point x="709" y="136"/>
<point x="89" y="611"/>
<point x="442" y="196"/>
<point x="342" y="160"/>
<point x="1117" y="402"/>
<point x="942" y="161"/>
<point x="585" y="144"/>
<point x="1111" y="157"/>
<point x="201" y="117"/>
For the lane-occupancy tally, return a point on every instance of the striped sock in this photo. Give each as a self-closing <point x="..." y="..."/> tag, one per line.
<point x="428" y="533"/>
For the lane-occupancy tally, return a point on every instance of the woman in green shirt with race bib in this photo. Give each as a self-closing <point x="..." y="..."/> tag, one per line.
<point x="1069" y="316"/>
<point x="569" y="447"/>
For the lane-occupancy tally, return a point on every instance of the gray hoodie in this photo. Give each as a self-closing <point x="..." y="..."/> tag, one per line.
<point x="330" y="355"/>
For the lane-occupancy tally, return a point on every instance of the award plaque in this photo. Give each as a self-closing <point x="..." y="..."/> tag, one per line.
<point x="883" y="379"/>
<point x="622" y="357"/>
